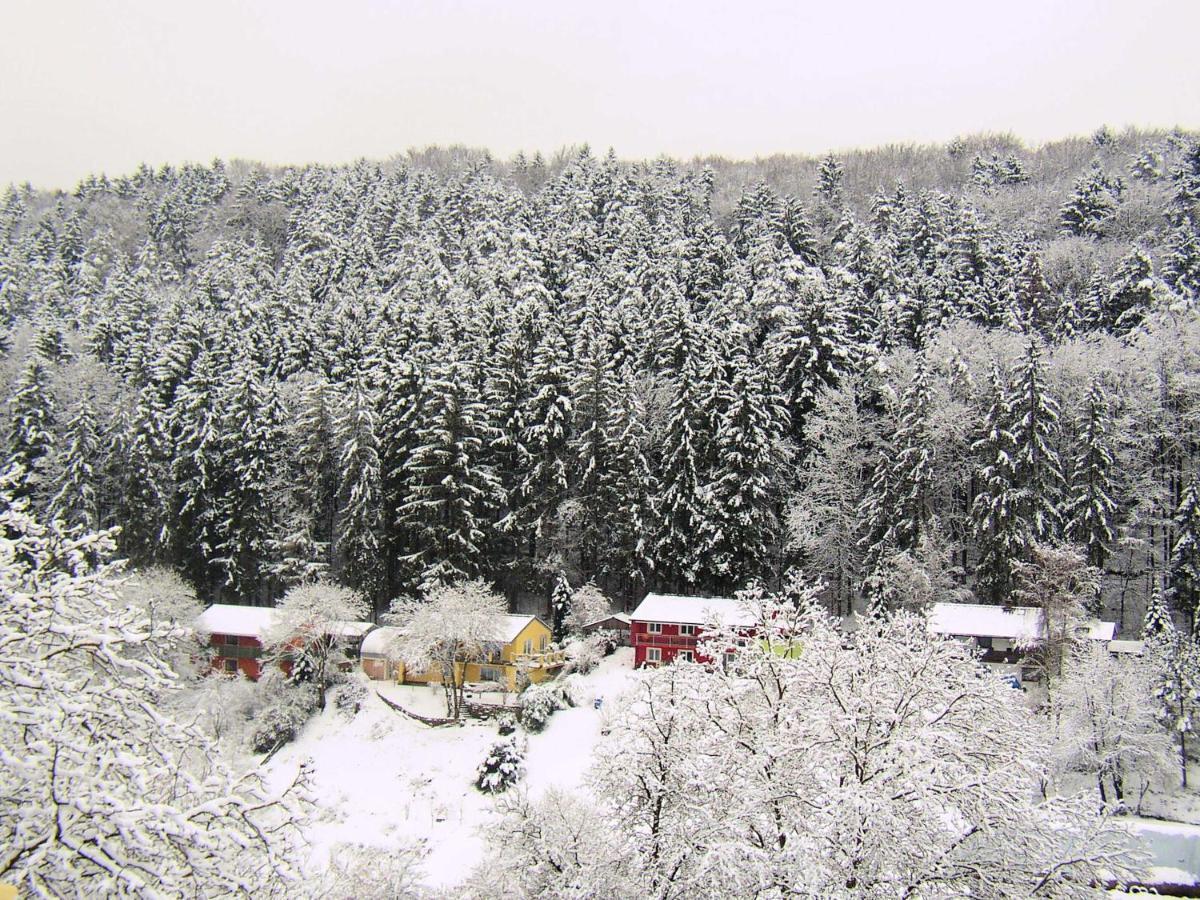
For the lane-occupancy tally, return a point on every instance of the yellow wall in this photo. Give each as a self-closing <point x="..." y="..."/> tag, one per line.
<point x="534" y="631"/>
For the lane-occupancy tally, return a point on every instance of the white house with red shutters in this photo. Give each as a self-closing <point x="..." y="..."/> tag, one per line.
<point x="666" y="627"/>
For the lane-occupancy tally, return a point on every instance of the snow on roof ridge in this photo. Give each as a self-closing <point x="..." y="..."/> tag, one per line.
<point x="236" y="619"/>
<point x="684" y="610"/>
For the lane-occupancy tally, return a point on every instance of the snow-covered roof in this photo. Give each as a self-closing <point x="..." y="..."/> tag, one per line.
<point x="378" y="641"/>
<point x="350" y="629"/>
<point x="620" y="617"/>
<point x="1015" y="623"/>
<point x="510" y="626"/>
<point x="674" y="609"/>
<point x="242" y="621"/>
<point x="1131" y="647"/>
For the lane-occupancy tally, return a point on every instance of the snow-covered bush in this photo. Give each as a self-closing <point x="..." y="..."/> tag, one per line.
<point x="350" y="695"/>
<point x="506" y="725"/>
<point x="359" y="872"/>
<point x="280" y="720"/>
<point x="538" y="703"/>
<point x="503" y="767"/>
<point x="584" y="655"/>
<point x="223" y="706"/>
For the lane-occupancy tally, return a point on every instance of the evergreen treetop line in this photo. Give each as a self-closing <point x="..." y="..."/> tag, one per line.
<point x="653" y="375"/>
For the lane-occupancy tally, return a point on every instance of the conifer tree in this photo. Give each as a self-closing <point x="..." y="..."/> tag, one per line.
<point x="898" y="506"/>
<point x="1034" y="429"/>
<point x="1001" y="534"/>
<point x="452" y="492"/>
<point x="1184" y="569"/>
<point x="747" y="481"/>
<point x="76" y="500"/>
<point x="250" y="435"/>
<point x="809" y="348"/>
<point x="684" y="507"/>
<point x="1090" y="507"/>
<point x="358" y="536"/>
<point x="1093" y="203"/>
<point x="1181" y="267"/>
<point x="560" y="605"/>
<point x="1157" y="624"/>
<point x="31" y="432"/>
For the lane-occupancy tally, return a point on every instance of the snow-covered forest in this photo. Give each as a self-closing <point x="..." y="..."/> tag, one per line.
<point x="865" y="382"/>
<point x="650" y="375"/>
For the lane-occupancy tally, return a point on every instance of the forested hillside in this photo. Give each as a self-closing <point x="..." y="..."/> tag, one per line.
<point x="899" y="369"/>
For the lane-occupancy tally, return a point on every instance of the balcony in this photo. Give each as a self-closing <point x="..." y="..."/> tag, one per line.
<point x="686" y="642"/>
<point x="548" y="659"/>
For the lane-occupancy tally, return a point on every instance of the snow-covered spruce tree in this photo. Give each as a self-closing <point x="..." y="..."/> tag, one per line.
<point x="1108" y="725"/>
<point x="1001" y="535"/>
<point x="1176" y="658"/>
<point x="897" y="507"/>
<point x="76" y="499"/>
<point x="452" y="625"/>
<point x="809" y="347"/>
<point x="250" y="437"/>
<point x="451" y="489"/>
<point x="502" y="768"/>
<point x="1034" y="414"/>
<point x="309" y="631"/>
<point x="1094" y="202"/>
<point x="560" y="605"/>
<point x="1183" y="574"/>
<point x="104" y="792"/>
<point x="31" y="433"/>
<point x="684" y="507"/>
<point x="1090" y="508"/>
<point x="829" y="788"/>
<point x="747" y="483"/>
<point x="1181" y="267"/>
<point x="359" y="523"/>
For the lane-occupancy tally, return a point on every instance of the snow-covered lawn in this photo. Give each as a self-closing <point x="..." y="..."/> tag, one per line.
<point x="385" y="780"/>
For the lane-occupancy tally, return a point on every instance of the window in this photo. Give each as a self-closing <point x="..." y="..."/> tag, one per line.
<point x="653" y="654"/>
<point x="528" y="646"/>
<point x="685" y="656"/>
<point x="542" y="644"/>
<point x="654" y="627"/>
<point x="985" y="643"/>
<point x="231" y="666"/>
<point x="687" y="629"/>
<point x="491" y="673"/>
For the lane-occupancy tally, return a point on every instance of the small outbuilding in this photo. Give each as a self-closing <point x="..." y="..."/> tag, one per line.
<point x="616" y="623"/>
<point x="379" y="661"/>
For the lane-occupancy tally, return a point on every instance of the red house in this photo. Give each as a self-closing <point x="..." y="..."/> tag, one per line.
<point x="236" y="636"/>
<point x="666" y="627"/>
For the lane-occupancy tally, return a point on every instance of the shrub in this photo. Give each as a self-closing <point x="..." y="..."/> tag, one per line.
<point x="538" y="704"/>
<point x="585" y="654"/>
<point x="502" y="768"/>
<point x="350" y="695"/>
<point x="507" y="725"/>
<point x="282" y="719"/>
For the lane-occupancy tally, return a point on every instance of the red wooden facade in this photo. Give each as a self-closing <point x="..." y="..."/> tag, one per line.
<point x="234" y="653"/>
<point x="656" y="643"/>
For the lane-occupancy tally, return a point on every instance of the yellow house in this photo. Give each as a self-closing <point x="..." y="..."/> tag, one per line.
<point x="521" y="649"/>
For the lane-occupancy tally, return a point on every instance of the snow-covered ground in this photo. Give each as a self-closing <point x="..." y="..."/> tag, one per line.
<point x="385" y="780"/>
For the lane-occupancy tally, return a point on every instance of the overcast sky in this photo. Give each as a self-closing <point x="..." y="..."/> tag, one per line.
<point x="100" y="85"/>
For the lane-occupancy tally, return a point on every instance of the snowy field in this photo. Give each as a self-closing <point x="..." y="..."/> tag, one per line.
<point x="385" y="780"/>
